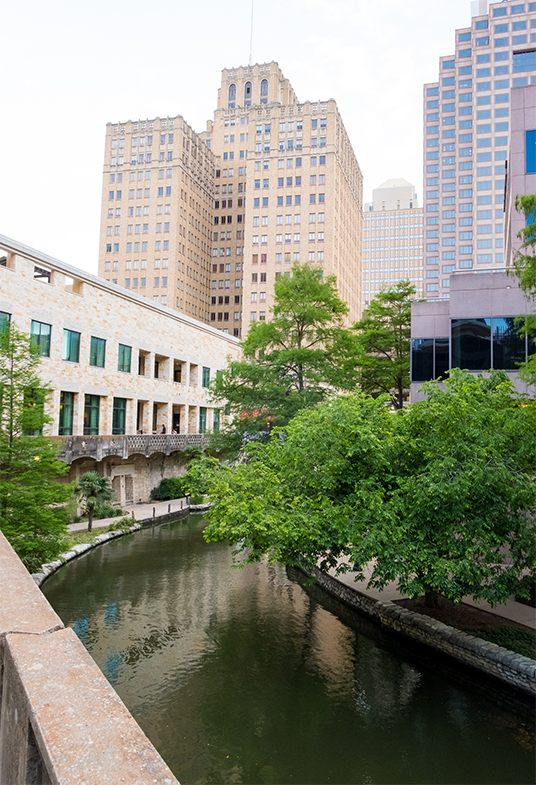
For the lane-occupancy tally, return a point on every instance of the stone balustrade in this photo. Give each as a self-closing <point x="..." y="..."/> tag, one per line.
<point x="100" y="447"/>
<point x="60" y="720"/>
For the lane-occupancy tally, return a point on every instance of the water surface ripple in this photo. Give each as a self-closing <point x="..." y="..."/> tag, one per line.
<point x="241" y="676"/>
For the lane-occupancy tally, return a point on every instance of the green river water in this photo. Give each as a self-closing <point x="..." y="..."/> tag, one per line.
<point x="242" y="676"/>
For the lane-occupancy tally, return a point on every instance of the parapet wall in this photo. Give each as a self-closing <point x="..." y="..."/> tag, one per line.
<point x="60" y="720"/>
<point x="510" y="668"/>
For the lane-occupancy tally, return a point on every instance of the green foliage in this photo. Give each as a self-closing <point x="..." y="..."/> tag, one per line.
<point x="106" y="511"/>
<point x="169" y="488"/>
<point x="290" y="363"/>
<point x="522" y="641"/>
<point x="34" y="506"/>
<point x="524" y="266"/>
<point x="384" y="338"/>
<point x="121" y="526"/>
<point x="93" y="490"/>
<point x="439" y="497"/>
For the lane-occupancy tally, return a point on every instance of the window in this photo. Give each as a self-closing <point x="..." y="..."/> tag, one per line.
<point x="71" y="346"/>
<point x="119" y="415"/>
<point x="40" y="337"/>
<point x="530" y="152"/>
<point x="97" y="352"/>
<point x="124" y="357"/>
<point x="429" y="358"/>
<point x="205" y="377"/>
<point x="66" y="413"/>
<point x="91" y="415"/>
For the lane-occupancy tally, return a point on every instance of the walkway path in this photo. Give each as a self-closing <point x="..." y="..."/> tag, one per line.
<point x="139" y="512"/>
<point x="516" y="611"/>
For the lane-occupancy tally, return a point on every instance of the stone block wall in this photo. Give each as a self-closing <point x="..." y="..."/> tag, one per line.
<point x="512" y="669"/>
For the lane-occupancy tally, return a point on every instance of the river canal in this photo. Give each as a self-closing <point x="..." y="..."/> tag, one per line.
<point x="241" y="676"/>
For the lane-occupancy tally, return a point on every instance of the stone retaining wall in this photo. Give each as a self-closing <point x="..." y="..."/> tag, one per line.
<point x="512" y="669"/>
<point x="61" y="722"/>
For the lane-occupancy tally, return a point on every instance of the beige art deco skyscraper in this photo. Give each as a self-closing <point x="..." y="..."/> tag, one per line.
<point x="288" y="189"/>
<point x="157" y="213"/>
<point x="205" y="223"/>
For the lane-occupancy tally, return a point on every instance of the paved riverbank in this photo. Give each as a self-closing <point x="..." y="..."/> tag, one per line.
<point x="515" y="611"/>
<point x="139" y="512"/>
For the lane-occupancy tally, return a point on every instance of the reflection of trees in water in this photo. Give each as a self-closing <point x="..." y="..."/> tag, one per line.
<point x="241" y="676"/>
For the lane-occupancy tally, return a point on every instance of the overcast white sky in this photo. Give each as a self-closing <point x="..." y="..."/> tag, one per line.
<point x="68" y="68"/>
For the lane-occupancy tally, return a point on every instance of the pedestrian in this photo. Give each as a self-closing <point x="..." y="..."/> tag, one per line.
<point x="163" y="429"/>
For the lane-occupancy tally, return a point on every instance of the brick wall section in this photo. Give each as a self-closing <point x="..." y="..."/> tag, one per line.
<point x="510" y="668"/>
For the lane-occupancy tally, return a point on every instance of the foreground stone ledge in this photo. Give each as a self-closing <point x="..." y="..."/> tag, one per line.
<point x="61" y="722"/>
<point x="83" y="730"/>
<point x="512" y="669"/>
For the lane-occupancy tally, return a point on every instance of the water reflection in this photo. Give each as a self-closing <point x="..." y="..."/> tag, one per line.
<point x="240" y="676"/>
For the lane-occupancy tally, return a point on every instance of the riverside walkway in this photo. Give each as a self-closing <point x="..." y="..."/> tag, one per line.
<point x="515" y="611"/>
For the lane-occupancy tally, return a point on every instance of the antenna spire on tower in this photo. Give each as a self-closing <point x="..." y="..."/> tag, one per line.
<point x="251" y="37"/>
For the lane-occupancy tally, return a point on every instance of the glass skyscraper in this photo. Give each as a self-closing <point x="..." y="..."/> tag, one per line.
<point x="466" y="135"/>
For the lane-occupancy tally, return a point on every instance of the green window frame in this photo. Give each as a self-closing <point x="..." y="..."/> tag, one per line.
<point x="205" y="381"/>
<point x="97" y="352"/>
<point x="91" y="415"/>
<point x="202" y="419"/>
<point x="124" y="358"/>
<point x="119" y="416"/>
<point x="216" y="423"/>
<point x="5" y="319"/>
<point x="66" y="414"/>
<point x="40" y="337"/>
<point x="71" y="346"/>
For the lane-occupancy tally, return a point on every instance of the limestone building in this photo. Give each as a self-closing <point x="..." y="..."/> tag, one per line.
<point x="270" y="182"/>
<point x="392" y="239"/>
<point x="128" y="376"/>
<point x="467" y="126"/>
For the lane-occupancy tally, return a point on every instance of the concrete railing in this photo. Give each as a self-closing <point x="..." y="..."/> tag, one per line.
<point x="60" y="720"/>
<point x="99" y="447"/>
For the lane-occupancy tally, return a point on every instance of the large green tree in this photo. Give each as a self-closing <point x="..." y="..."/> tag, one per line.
<point x="524" y="266"/>
<point x="384" y="338"/>
<point x="34" y="509"/>
<point x="439" y="497"/>
<point x="295" y="360"/>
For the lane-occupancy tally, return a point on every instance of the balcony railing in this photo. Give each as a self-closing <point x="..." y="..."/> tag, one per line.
<point x="99" y="447"/>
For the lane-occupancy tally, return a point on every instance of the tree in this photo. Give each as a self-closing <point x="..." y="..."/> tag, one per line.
<point x="439" y="497"/>
<point x="34" y="506"/>
<point x="293" y="361"/>
<point x="92" y="490"/>
<point x="524" y="265"/>
<point x="384" y="338"/>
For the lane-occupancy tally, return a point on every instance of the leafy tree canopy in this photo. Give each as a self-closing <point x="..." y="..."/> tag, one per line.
<point x="294" y="361"/>
<point x="34" y="509"/>
<point x="524" y="265"/>
<point x="384" y="339"/>
<point x="439" y="497"/>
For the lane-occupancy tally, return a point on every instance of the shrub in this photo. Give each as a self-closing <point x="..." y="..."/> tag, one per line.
<point x="107" y="511"/>
<point x="121" y="526"/>
<point x="169" y="488"/>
